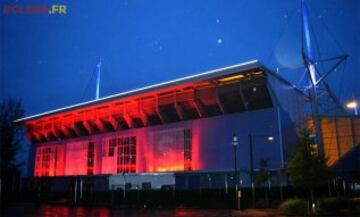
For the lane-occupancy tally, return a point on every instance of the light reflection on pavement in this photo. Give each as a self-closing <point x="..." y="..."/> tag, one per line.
<point x="29" y="210"/>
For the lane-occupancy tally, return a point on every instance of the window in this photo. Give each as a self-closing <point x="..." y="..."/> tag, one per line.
<point x="258" y="97"/>
<point x="119" y="155"/>
<point x="187" y="149"/>
<point x="112" y="144"/>
<point x="46" y="161"/>
<point x="90" y="156"/>
<point x="126" y="158"/>
<point x="109" y="147"/>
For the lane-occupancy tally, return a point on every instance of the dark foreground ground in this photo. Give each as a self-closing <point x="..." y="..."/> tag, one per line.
<point x="30" y="210"/>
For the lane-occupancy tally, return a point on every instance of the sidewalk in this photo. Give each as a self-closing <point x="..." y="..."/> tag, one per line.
<point x="257" y="213"/>
<point x="226" y="213"/>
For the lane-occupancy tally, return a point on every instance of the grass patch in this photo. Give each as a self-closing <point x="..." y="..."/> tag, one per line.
<point x="294" y="207"/>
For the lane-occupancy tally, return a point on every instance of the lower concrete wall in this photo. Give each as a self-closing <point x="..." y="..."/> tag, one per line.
<point x="141" y="181"/>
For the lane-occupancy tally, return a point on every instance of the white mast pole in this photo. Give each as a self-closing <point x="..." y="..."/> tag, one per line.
<point x="308" y="60"/>
<point x="98" y="66"/>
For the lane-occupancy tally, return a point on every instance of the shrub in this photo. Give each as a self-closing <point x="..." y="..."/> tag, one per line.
<point x="294" y="207"/>
<point x="338" y="206"/>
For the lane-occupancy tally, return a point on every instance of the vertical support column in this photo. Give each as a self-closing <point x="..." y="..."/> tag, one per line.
<point x="178" y="109"/>
<point x="199" y="108"/>
<point x="252" y="170"/>
<point x="81" y="189"/>
<point x="242" y="97"/>
<point x="281" y="147"/>
<point x="88" y="127"/>
<point x="142" y="114"/>
<point x="75" y="190"/>
<point x="100" y="125"/>
<point x="128" y="119"/>
<point x="158" y="110"/>
<point x="218" y="101"/>
<point x="114" y="122"/>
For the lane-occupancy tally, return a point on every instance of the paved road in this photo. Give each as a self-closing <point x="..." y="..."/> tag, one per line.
<point x="64" y="211"/>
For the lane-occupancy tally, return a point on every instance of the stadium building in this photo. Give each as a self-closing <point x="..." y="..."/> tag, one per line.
<point x="177" y="133"/>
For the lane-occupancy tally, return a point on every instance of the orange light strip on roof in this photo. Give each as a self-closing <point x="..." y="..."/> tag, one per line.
<point x="231" y="78"/>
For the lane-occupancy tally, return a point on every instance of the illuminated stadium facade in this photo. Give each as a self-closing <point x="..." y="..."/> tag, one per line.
<point x="181" y="126"/>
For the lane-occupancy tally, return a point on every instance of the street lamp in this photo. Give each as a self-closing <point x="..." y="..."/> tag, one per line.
<point x="235" y="144"/>
<point x="353" y="105"/>
<point x="270" y="138"/>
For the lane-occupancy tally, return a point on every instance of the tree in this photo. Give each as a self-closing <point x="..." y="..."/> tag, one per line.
<point x="263" y="177"/>
<point x="306" y="168"/>
<point x="11" y="137"/>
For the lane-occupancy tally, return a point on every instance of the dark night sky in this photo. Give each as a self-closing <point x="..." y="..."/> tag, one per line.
<point x="47" y="60"/>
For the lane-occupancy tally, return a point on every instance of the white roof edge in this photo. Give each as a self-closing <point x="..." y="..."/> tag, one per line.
<point x="196" y="77"/>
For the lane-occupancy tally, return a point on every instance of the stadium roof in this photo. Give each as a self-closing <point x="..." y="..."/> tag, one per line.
<point x="192" y="78"/>
<point x="231" y="89"/>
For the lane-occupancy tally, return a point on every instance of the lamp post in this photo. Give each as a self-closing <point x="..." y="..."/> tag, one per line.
<point x="270" y="139"/>
<point x="235" y="144"/>
<point x="252" y="171"/>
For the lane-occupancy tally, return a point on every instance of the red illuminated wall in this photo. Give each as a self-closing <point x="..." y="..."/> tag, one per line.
<point x="168" y="151"/>
<point x="76" y="158"/>
<point x="156" y="151"/>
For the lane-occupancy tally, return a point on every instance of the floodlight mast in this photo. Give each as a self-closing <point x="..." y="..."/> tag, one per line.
<point x="98" y="71"/>
<point x="308" y="59"/>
